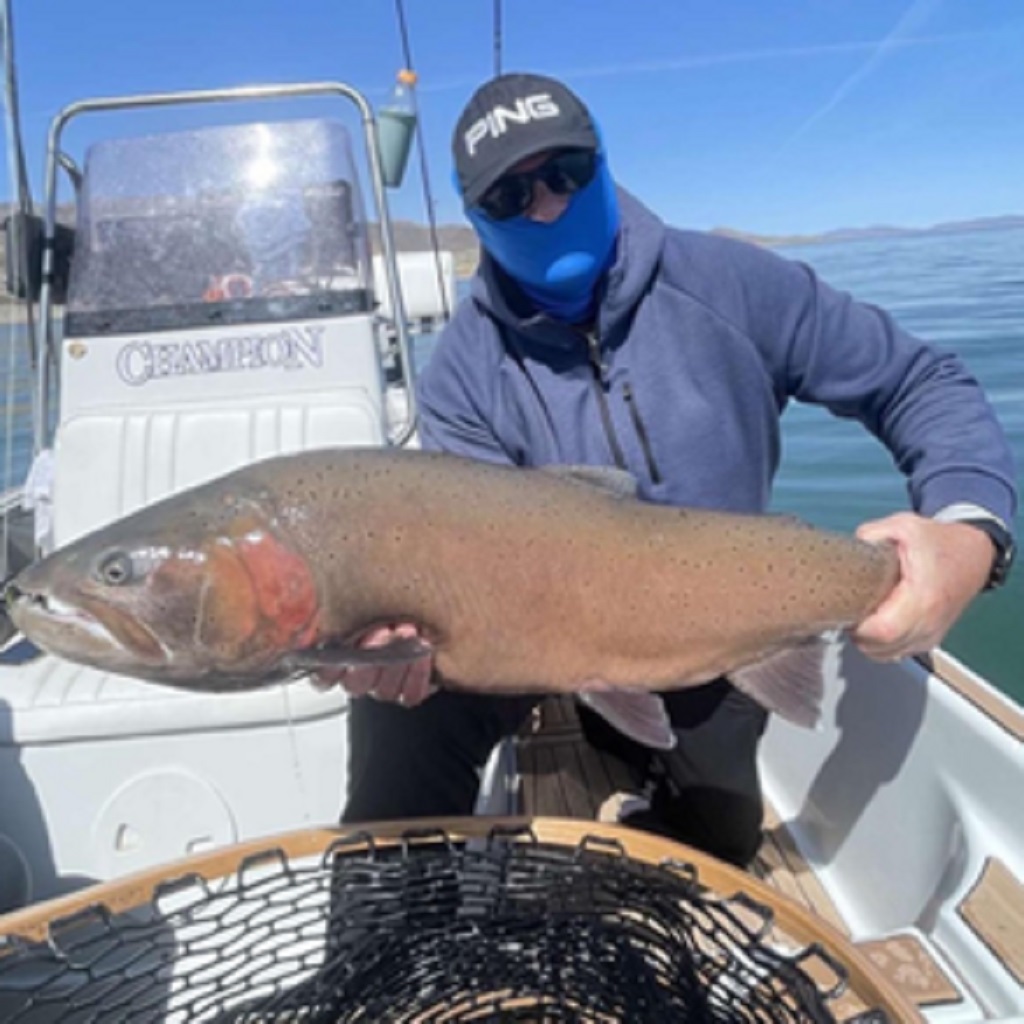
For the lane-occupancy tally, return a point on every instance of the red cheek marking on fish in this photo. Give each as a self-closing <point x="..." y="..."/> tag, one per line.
<point x="284" y="587"/>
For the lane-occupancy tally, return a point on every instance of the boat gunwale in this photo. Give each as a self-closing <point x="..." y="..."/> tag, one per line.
<point x="953" y="674"/>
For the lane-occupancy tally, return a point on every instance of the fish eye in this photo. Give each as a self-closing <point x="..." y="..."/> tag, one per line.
<point x="115" y="569"/>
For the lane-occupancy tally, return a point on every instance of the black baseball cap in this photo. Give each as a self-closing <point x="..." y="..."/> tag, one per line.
<point x="510" y="118"/>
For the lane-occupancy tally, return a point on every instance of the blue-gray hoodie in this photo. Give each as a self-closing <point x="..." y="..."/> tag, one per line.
<point x="699" y="343"/>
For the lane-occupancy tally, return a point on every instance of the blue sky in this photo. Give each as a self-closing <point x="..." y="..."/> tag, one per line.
<point x="773" y="116"/>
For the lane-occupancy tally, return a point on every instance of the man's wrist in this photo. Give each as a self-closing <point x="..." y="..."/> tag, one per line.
<point x="994" y="528"/>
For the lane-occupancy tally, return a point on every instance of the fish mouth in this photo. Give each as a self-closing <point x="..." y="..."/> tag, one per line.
<point x="103" y="635"/>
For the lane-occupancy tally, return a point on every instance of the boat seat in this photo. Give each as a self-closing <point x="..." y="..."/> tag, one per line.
<point x="111" y="462"/>
<point x="49" y="700"/>
<point x="105" y="775"/>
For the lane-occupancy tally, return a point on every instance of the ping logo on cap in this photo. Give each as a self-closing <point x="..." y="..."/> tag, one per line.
<point x="496" y="121"/>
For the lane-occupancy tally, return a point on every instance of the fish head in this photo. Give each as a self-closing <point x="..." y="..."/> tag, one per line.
<point x="195" y="596"/>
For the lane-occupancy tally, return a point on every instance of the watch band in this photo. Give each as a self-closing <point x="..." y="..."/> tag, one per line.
<point x="1002" y="541"/>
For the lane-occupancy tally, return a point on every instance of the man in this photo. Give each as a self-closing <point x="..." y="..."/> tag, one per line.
<point x="596" y="334"/>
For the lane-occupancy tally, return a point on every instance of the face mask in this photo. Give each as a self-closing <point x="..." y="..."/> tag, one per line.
<point x="558" y="265"/>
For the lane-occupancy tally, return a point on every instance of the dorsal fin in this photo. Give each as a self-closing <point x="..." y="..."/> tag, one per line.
<point x="617" y="482"/>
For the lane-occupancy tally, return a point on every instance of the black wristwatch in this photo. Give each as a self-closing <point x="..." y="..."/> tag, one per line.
<point x="1002" y="540"/>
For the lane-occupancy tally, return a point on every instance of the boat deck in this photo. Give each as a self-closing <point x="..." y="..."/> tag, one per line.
<point x="561" y="775"/>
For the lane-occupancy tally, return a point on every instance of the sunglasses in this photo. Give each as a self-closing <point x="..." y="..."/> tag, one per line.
<point x="564" y="173"/>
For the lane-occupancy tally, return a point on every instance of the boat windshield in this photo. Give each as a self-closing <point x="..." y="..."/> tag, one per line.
<point x="232" y="223"/>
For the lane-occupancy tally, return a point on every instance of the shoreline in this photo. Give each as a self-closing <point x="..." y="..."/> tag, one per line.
<point x="12" y="314"/>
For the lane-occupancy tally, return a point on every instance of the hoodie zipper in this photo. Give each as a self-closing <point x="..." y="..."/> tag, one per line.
<point x="600" y="372"/>
<point x="641" y="432"/>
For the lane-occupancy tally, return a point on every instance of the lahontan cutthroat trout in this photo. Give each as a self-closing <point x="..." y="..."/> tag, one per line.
<point x="518" y="581"/>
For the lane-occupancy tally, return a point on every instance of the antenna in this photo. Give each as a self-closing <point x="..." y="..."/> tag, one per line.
<point x="497" y="38"/>
<point x="17" y="166"/>
<point x="428" y="199"/>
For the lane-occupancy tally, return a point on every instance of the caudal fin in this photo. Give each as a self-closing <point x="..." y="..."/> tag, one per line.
<point x="791" y="683"/>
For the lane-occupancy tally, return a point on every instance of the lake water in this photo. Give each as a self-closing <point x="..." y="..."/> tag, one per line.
<point x="964" y="292"/>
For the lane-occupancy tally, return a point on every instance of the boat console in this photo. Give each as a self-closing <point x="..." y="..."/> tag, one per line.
<point x="224" y="303"/>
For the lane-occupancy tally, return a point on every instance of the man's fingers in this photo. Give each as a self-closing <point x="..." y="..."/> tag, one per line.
<point x="390" y="683"/>
<point x="418" y="685"/>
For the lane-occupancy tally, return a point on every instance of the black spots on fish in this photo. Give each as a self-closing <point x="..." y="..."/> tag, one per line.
<point x="817" y="589"/>
<point x="656" y="540"/>
<point x="411" y="584"/>
<point x="489" y="525"/>
<point x="338" y="495"/>
<point x="314" y="484"/>
<point x="787" y="603"/>
<point x="377" y="534"/>
<point x="302" y="491"/>
<point x="637" y="598"/>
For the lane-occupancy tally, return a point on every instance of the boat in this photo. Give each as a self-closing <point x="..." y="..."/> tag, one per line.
<point x="220" y="303"/>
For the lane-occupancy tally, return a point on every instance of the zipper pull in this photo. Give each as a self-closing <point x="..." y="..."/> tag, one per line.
<point x="597" y="363"/>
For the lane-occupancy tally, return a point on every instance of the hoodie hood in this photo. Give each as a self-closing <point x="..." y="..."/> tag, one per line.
<point x="641" y="238"/>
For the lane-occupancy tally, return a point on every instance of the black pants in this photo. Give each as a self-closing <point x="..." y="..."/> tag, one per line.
<point x="425" y="761"/>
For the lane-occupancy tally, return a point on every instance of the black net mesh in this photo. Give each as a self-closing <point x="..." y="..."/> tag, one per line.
<point x="426" y="930"/>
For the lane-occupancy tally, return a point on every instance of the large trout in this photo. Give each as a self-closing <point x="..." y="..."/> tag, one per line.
<point x="519" y="581"/>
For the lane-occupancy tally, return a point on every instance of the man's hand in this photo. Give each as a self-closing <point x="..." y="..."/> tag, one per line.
<point x="943" y="566"/>
<point x="406" y="682"/>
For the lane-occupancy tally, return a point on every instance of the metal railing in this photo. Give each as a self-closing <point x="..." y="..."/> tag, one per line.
<point x="55" y="158"/>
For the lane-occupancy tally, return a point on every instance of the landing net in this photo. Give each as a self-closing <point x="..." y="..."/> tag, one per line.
<point x="428" y="929"/>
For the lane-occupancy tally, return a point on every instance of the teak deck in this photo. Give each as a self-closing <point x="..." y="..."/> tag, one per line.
<point x="561" y="775"/>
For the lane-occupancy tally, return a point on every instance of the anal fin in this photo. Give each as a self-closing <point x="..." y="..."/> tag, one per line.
<point x="790" y="684"/>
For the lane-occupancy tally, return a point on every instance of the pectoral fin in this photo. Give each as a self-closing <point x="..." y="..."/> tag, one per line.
<point x="640" y="716"/>
<point x="401" y="651"/>
<point x="791" y="683"/>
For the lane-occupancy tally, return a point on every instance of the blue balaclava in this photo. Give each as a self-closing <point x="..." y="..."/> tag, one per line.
<point x="558" y="265"/>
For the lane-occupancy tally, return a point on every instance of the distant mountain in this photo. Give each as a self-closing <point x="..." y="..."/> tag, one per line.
<point x="878" y="231"/>
<point x="461" y="239"/>
<point x="411" y="236"/>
